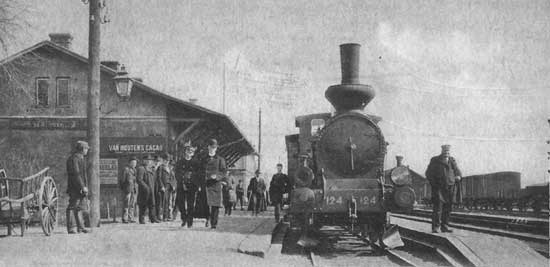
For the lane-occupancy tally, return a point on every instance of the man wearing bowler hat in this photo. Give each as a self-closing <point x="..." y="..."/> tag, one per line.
<point x="77" y="187"/>
<point x="128" y="186"/>
<point x="146" y="194"/>
<point x="442" y="173"/>
<point x="215" y="169"/>
<point x="166" y="184"/>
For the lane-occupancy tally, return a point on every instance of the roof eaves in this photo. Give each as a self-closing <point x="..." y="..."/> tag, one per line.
<point x="59" y="49"/>
<point x="197" y="107"/>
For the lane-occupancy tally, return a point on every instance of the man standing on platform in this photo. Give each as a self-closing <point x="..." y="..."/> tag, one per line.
<point x="240" y="194"/>
<point x="166" y="183"/>
<point x="254" y="194"/>
<point x="215" y="171"/>
<point x="280" y="184"/>
<point x="442" y="173"/>
<point x="77" y="187"/>
<point x="146" y="193"/>
<point x="186" y="176"/>
<point x="128" y="186"/>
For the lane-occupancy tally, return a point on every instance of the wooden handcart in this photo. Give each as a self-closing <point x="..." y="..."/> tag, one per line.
<point x="24" y="201"/>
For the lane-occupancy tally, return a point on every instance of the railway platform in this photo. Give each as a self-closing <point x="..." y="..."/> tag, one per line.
<point x="473" y="248"/>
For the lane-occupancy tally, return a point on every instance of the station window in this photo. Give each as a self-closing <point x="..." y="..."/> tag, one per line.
<point x="42" y="88"/>
<point x="63" y="92"/>
<point x="316" y="126"/>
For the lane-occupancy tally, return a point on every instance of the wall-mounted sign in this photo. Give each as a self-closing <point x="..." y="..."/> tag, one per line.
<point x="132" y="145"/>
<point x="135" y="148"/>
<point x="48" y="124"/>
<point x="108" y="171"/>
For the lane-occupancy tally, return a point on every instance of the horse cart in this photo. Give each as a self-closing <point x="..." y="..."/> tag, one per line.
<point x="25" y="201"/>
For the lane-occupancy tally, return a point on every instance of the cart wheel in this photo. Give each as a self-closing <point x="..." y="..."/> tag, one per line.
<point x="47" y="204"/>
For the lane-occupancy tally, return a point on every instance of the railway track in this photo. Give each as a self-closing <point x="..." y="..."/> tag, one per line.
<point x="488" y="225"/>
<point x="338" y="246"/>
<point x="510" y="223"/>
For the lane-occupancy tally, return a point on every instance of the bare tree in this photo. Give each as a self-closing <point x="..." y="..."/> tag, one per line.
<point x="12" y="23"/>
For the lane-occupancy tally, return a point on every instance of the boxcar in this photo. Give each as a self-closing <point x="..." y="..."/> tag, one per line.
<point x="498" y="185"/>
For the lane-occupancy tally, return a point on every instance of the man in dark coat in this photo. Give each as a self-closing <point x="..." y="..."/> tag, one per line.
<point x="186" y="171"/>
<point x="146" y="193"/>
<point x="166" y="185"/>
<point x="77" y="187"/>
<point x="240" y="193"/>
<point x="128" y="186"/>
<point x="280" y="184"/>
<point x="442" y="173"/>
<point x="254" y="194"/>
<point x="215" y="169"/>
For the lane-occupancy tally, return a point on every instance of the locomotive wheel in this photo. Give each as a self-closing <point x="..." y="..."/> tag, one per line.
<point x="47" y="204"/>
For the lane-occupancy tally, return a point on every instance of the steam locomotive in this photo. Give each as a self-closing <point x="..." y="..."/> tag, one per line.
<point x="336" y="162"/>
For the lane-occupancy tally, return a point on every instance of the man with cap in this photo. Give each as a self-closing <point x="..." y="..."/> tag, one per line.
<point x="215" y="168"/>
<point x="77" y="187"/>
<point x="146" y="193"/>
<point x="186" y="176"/>
<point x="279" y="185"/>
<point x="128" y="185"/>
<point x="166" y="185"/>
<point x="442" y="173"/>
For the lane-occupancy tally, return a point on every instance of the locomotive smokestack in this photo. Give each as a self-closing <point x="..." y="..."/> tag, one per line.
<point x="350" y="94"/>
<point x="399" y="160"/>
<point x="349" y="57"/>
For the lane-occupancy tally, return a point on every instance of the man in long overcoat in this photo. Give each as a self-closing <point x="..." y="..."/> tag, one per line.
<point x="128" y="186"/>
<point x="146" y="193"/>
<point x="253" y="192"/>
<point x="186" y="170"/>
<point x="442" y="173"/>
<point x="77" y="187"/>
<point x="215" y="169"/>
<point x="166" y="185"/>
<point x="279" y="185"/>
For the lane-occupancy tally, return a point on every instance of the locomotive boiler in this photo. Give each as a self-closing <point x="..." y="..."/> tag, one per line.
<point x="337" y="161"/>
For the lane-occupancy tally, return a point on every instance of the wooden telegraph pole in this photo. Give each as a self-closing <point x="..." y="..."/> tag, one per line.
<point x="93" y="109"/>
<point x="259" y="137"/>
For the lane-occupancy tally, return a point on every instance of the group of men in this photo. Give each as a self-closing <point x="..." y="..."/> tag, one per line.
<point x="193" y="185"/>
<point x="196" y="185"/>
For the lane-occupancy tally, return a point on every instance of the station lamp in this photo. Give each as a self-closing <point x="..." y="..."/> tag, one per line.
<point x="123" y="83"/>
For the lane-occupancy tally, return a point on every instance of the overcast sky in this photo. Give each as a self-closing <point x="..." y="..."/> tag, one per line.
<point x="473" y="74"/>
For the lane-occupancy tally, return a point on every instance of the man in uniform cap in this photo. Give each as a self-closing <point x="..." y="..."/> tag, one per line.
<point x="146" y="193"/>
<point x="442" y="173"/>
<point x="215" y="169"/>
<point x="77" y="187"/>
<point x="280" y="184"/>
<point x="186" y="177"/>
<point x="128" y="186"/>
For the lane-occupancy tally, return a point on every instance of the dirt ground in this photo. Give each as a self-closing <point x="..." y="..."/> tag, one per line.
<point x="164" y="244"/>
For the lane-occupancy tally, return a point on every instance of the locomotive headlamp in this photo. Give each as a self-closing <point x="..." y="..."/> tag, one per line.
<point x="123" y="83"/>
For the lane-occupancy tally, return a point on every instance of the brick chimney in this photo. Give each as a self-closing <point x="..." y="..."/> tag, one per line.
<point x="112" y="64"/>
<point x="61" y="39"/>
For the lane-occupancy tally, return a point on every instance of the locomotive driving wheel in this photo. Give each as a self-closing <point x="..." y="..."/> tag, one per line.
<point x="48" y="204"/>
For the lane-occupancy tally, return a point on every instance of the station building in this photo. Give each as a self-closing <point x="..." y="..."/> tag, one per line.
<point x="43" y="100"/>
